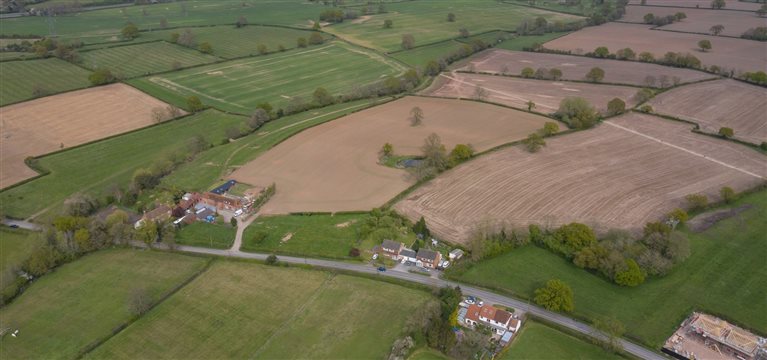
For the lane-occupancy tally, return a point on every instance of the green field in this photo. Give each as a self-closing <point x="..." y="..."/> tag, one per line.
<point x="19" y="79"/>
<point x="231" y="42"/>
<point x="420" y="56"/>
<point x="240" y="85"/>
<point x="427" y="21"/>
<point x="211" y="166"/>
<point x="15" y="247"/>
<point x="82" y="302"/>
<point x="316" y="235"/>
<point x="519" y="43"/>
<point x="94" y="167"/>
<point x="427" y="354"/>
<point x="240" y="309"/>
<point x="724" y="275"/>
<point x="144" y="59"/>
<point x="538" y="341"/>
<point x="207" y="235"/>
<point x="105" y="25"/>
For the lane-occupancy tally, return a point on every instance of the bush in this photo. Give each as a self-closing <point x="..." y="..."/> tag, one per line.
<point x="646" y="109"/>
<point x="632" y="276"/>
<point x="101" y="76"/>
<point x="727" y="194"/>
<point x="527" y="72"/>
<point x="534" y="142"/>
<point x="549" y="128"/>
<point x="194" y="104"/>
<point x="271" y="260"/>
<point x="726" y="132"/>
<point x="354" y="252"/>
<point x="616" y="106"/>
<point x="555" y="296"/>
<point x="678" y="215"/>
<point x="697" y="201"/>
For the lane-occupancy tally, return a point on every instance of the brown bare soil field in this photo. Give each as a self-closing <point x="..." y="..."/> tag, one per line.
<point x="576" y="67"/>
<point x="52" y="123"/>
<point x="727" y="53"/>
<point x="702" y="4"/>
<point x="517" y="92"/>
<point x="699" y="20"/>
<point x="622" y="174"/>
<point x="714" y="104"/>
<point x="334" y="166"/>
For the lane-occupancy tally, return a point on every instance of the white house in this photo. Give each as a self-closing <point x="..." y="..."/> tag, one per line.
<point x="498" y="320"/>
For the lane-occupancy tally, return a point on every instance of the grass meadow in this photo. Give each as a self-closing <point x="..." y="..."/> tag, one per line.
<point x="19" y="79"/>
<point x="427" y="21"/>
<point x="329" y="236"/>
<point x="241" y="309"/>
<point x="94" y="167"/>
<point x="231" y="42"/>
<point x="538" y="341"/>
<point x="724" y="275"/>
<point x="519" y="43"/>
<point x="82" y="302"/>
<point x="420" y="56"/>
<point x="144" y="59"/>
<point x="208" y="235"/>
<point x="214" y="164"/>
<point x="240" y="85"/>
<point x="15" y="246"/>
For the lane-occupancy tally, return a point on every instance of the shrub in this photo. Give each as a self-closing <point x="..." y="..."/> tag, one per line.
<point x="726" y="132"/>
<point x="697" y="201"/>
<point x="534" y="142"/>
<point x="646" y="109"/>
<point x="194" y="104"/>
<point x="632" y="276"/>
<point x="271" y="260"/>
<point x="596" y="74"/>
<point x="616" y="106"/>
<point x="527" y="72"/>
<point x="727" y="194"/>
<point x="678" y="215"/>
<point x="549" y="128"/>
<point x="101" y="76"/>
<point x="555" y="296"/>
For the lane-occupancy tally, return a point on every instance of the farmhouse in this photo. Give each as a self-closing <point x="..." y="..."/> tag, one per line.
<point x="391" y="248"/>
<point x="428" y="258"/>
<point x="499" y="320"/>
<point x="705" y="336"/>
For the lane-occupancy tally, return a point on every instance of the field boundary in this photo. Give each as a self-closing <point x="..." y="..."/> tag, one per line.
<point x="688" y="7"/>
<point x="545" y="9"/>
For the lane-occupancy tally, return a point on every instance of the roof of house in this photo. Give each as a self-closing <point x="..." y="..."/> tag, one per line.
<point x="514" y="323"/>
<point x="456" y="252"/>
<point x="488" y="312"/>
<point x="407" y="253"/>
<point x="229" y="200"/>
<point x="389" y="244"/>
<point x="427" y="254"/>
<point x="502" y="316"/>
<point x="224" y="188"/>
<point x="204" y="213"/>
<point x="473" y="312"/>
<point x="158" y="212"/>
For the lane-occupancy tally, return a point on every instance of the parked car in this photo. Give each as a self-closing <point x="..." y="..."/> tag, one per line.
<point x="445" y="264"/>
<point x="238" y="213"/>
<point x="14" y="226"/>
<point x="470" y="300"/>
<point x="381" y="268"/>
<point x="375" y="256"/>
<point x="481" y="303"/>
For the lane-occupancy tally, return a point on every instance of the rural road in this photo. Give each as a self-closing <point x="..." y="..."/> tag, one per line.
<point x="22" y="224"/>
<point x="488" y="296"/>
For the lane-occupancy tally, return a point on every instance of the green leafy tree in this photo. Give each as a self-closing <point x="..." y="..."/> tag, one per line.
<point x="649" y="18"/>
<point x="678" y="215"/>
<point x="316" y="38"/>
<point x="527" y="72"/>
<point x="271" y="260"/>
<point x="387" y="150"/>
<point x="450" y="17"/>
<point x="534" y="142"/>
<point x="616" y="106"/>
<point x="555" y="296"/>
<point x="549" y="128"/>
<point x="555" y="74"/>
<point x="194" y="104"/>
<point x="632" y="276"/>
<point x="697" y="201"/>
<point x="316" y="26"/>
<point x="704" y="45"/>
<point x="421" y="229"/>
<point x="206" y="47"/>
<point x="571" y="238"/>
<point x="680" y="16"/>
<point x="130" y="31"/>
<point x="147" y="232"/>
<point x="408" y="41"/>
<point x="646" y="56"/>
<point x="101" y="76"/>
<point x="601" y="52"/>
<point x="727" y="194"/>
<point x="322" y="97"/>
<point x="726" y="132"/>
<point x="388" y="24"/>
<point x="577" y="113"/>
<point x="626" y="54"/>
<point x="596" y="74"/>
<point x="460" y="153"/>
<point x="301" y="42"/>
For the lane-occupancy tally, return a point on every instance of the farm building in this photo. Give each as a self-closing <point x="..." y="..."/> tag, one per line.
<point x="160" y="213"/>
<point x="455" y="254"/>
<point x="706" y="336"/>
<point x="428" y="258"/>
<point x="223" y="202"/>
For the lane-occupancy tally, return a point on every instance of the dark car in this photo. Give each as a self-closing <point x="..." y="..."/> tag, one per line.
<point x="14" y="226"/>
<point x="381" y="268"/>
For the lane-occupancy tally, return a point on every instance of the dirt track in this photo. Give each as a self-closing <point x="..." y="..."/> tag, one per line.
<point x="626" y="172"/>
<point x="736" y="105"/>
<point x="729" y="53"/>
<point x="517" y="92"/>
<point x="699" y="20"/>
<point x="333" y="167"/>
<point x="42" y="126"/>
<point x="576" y="67"/>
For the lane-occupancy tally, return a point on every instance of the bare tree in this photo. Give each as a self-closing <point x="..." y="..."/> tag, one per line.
<point x="416" y="116"/>
<point x="139" y="301"/>
<point x="480" y="93"/>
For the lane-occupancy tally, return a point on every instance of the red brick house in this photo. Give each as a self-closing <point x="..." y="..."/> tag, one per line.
<point x="391" y="249"/>
<point x="428" y="258"/>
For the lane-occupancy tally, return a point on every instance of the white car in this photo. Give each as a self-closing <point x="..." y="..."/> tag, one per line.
<point x="375" y="256"/>
<point x="238" y="213"/>
<point x="445" y="264"/>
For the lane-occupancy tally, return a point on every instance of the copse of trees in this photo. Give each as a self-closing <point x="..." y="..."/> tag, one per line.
<point x="101" y="76"/>
<point x="758" y="33"/>
<point x="577" y="113"/>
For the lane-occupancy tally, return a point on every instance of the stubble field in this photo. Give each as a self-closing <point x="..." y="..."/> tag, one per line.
<point x="517" y="92"/>
<point x="728" y="53"/>
<point x="334" y="167"/>
<point x="714" y="104"/>
<point x="38" y="127"/>
<point x="626" y="172"/>
<point x="699" y="20"/>
<point x="576" y="67"/>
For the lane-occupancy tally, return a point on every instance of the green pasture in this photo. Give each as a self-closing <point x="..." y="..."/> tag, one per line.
<point x="725" y="275"/>
<point x="231" y="42"/>
<point x="11" y="55"/>
<point x="208" y="235"/>
<point x="519" y="43"/>
<point x="105" y="25"/>
<point x="420" y="56"/>
<point x="427" y="354"/>
<point x="84" y="301"/>
<point x="240" y="85"/>
<point x="94" y="167"/>
<point x="19" y="79"/>
<point x="427" y="21"/>
<point x="241" y="309"/>
<point x="144" y="59"/>
<point x="15" y="246"/>
<point x="538" y="341"/>
<point x="314" y="235"/>
<point x="213" y="165"/>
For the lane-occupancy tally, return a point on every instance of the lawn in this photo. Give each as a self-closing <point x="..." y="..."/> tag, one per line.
<point x="231" y="42"/>
<point x="105" y="25"/>
<point x="211" y="166"/>
<point x="241" y="309"/>
<point x="84" y="301"/>
<point x="420" y="56"/>
<point x="427" y="21"/>
<point x="316" y="235"/>
<point x="427" y="354"/>
<point x="93" y="168"/>
<point x="143" y="59"/>
<point x="239" y="85"/>
<point x="724" y="275"/>
<point x="519" y="43"/>
<point x="19" y="79"/>
<point x="15" y="247"/>
<point x="538" y="341"/>
<point x="208" y="235"/>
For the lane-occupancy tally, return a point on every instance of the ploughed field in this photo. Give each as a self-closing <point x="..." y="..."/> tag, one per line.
<point x="240" y="85"/>
<point x="334" y="166"/>
<point x="498" y="61"/>
<point x="517" y="92"/>
<point x="626" y="172"/>
<point x="702" y="4"/>
<point x="699" y="20"/>
<point x="715" y="104"/>
<point x="56" y="122"/>
<point x="727" y="53"/>
<point x="23" y="80"/>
